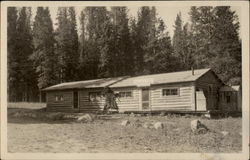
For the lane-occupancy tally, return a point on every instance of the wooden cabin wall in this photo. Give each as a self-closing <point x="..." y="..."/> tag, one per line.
<point x="65" y="105"/>
<point x="124" y="103"/>
<point x="128" y="103"/>
<point x="228" y="106"/>
<point x="183" y="101"/>
<point x="86" y="105"/>
<point x="210" y="85"/>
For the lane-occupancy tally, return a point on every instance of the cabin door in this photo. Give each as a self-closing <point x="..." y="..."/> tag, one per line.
<point x="75" y="99"/>
<point x="145" y="99"/>
<point x="201" y="100"/>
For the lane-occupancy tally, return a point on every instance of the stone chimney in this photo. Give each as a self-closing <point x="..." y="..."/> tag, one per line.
<point x="192" y="68"/>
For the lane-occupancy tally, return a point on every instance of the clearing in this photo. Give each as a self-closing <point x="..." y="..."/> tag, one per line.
<point x="32" y="134"/>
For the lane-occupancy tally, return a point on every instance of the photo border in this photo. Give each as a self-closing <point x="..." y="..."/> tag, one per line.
<point x="245" y="83"/>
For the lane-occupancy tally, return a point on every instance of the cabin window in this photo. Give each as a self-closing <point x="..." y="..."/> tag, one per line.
<point x="170" y="92"/>
<point x="94" y="96"/>
<point x="59" y="98"/>
<point x="125" y="94"/>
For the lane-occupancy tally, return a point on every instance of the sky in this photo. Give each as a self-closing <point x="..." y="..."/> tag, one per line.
<point x="167" y="13"/>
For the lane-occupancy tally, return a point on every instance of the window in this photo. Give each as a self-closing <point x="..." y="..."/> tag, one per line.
<point x="170" y="92"/>
<point x="125" y="94"/>
<point x="59" y="97"/>
<point x="94" y="96"/>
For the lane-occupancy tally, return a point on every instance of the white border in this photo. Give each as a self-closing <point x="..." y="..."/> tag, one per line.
<point x="245" y="62"/>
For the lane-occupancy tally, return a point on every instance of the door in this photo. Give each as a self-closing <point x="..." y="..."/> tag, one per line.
<point x="75" y="99"/>
<point x="201" y="101"/>
<point x="145" y="99"/>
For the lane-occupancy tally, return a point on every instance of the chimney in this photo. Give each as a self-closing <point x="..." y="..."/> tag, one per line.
<point x="192" y="68"/>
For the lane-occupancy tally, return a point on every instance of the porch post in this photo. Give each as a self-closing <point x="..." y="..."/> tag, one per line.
<point x="195" y="102"/>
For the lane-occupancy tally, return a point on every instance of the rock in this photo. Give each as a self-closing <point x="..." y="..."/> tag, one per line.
<point x="85" y="118"/>
<point x="176" y="129"/>
<point x="125" y="123"/>
<point x="162" y="114"/>
<point x="187" y="116"/>
<point x="147" y="148"/>
<point x="158" y="125"/>
<point x="137" y="121"/>
<point x="132" y="114"/>
<point x="198" y="127"/>
<point x="146" y="125"/>
<point x="201" y="131"/>
<point x="224" y="133"/>
<point x="195" y="125"/>
<point x="149" y="114"/>
<point x="207" y="115"/>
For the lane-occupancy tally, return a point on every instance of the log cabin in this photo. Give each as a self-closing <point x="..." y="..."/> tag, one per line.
<point x="189" y="91"/>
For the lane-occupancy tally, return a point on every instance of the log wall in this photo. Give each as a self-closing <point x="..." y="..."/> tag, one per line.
<point x="65" y="105"/>
<point x="183" y="101"/>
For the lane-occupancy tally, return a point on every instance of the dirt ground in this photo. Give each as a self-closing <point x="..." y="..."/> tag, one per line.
<point x="107" y="135"/>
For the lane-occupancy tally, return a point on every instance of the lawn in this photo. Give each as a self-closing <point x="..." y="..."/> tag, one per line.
<point x="39" y="134"/>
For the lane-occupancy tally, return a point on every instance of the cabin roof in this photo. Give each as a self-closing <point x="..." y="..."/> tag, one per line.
<point x="163" y="78"/>
<point x="96" y="83"/>
<point x="230" y="88"/>
<point x="138" y="81"/>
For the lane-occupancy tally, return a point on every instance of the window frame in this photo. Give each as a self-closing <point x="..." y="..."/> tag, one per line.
<point x="59" y="98"/>
<point x="170" y="91"/>
<point x="95" y="97"/>
<point x="126" y="94"/>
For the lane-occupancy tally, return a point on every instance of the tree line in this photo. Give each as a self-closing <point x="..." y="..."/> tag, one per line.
<point x="109" y="43"/>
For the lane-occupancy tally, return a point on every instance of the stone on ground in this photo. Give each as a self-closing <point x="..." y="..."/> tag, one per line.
<point x="224" y="133"/>
<point x="147" y="125"/>
<point x="132" y="114"/>
<point x="207" y="115"/>
<point x="162" y="114"/>
<point x="125" y="123"/>
<point x="198" y="127"/>
<point x="85" y="118"/>
<point x="158" y="125"/>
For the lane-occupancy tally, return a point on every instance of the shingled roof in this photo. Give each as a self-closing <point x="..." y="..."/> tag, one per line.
<point x="96" y="83"/>
<point x="145" y="80"/>
<point x="163" y="78"/>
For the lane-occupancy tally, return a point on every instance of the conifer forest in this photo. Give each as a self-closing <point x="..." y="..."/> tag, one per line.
<point x="109" y="43"/>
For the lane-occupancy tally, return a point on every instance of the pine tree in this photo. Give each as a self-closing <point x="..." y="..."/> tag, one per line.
<point x="188" y="49"/>
<point x="73" y="44"/>
<point x="144" y="33"/>
<point x="82" y="68"/>
<point x="96" y="25"/>
<point x="12" y="54"/>
<point x="135" y="47"/>
<point x="178" y="41"/>
<point x="44" y="52"/>
<point x="161" y="58"/>
<point x="225" y="45"/>
<point x="121" y="41"/>
<point x="202" y="19"/>
<point x="67" y="44"/>
<point x="27" y="88"/>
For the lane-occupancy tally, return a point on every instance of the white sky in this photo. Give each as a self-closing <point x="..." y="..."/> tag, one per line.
<point x="168" y="14"/>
